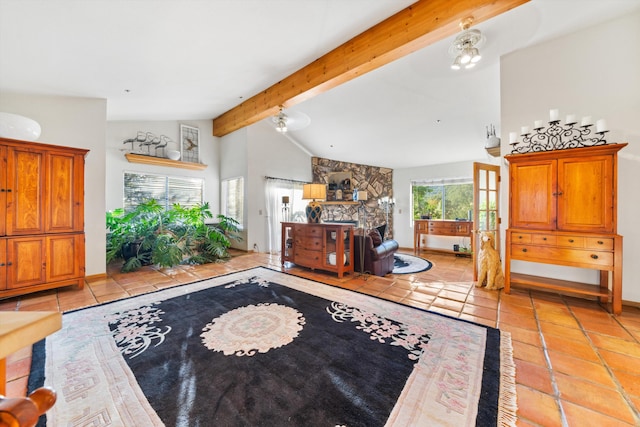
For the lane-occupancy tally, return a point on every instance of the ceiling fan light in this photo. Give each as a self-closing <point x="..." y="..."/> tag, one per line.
<point x="470" y="65"/>
<point x="280" y="121"/>
<point x="456" y="63"/>
<point x="465" y="57"/>
<point x="475" y="57"/>
<point x="281" y="125"/>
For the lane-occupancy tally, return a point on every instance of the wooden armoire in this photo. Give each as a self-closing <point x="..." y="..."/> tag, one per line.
<point x="42" y="242"/>
<point x="563" y="211"/>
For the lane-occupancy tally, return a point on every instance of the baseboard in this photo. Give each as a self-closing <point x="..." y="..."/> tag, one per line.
<point x="635" y="304"/>
<point x="96" y="276"/>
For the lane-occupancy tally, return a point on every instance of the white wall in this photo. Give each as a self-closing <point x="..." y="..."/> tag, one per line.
<point x="270" y="154"/>
<point x="588" y="73"/>
<point x="255" y="152"/>
<point x="117" y="164"/>
<point x="233" y="164"/>
<point x="74" y="122"/>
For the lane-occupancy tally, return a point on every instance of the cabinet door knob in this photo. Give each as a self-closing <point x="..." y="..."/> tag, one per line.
<point x="9" y="263"/>
<point x="600" y="242"/>
<point x="1" y="264"/>
<point x="524" y="250"/>
<point x="594" y="256"/>
<point x="544" y="238"/>
<point x="519" y="237"/>
<point x="571" y="240"/>
<point x="2" y="190"/>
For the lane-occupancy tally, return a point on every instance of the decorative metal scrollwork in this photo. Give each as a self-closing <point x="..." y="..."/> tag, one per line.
<point x="558" y="137"/>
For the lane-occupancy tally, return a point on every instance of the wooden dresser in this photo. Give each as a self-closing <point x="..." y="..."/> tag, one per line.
<point x="439" y="227"/>
<point x="563" y="211"/>
<point x="41" y="217"/>
<point x="322" y="246"/>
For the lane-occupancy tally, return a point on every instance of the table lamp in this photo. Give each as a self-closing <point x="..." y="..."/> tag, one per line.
<point x="314" y="192"/>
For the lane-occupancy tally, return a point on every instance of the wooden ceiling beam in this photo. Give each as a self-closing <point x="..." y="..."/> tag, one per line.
<point x="419" y="25"/>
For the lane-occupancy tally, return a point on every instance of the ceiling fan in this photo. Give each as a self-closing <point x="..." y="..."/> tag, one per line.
<point x="292" y="121"/>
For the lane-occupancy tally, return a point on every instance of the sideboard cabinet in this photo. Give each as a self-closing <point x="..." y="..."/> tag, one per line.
<point x="563" y="211"/>
<point x="42" y="242"/>
<point x="322" y="246"/>
<point x="439" y="227"/>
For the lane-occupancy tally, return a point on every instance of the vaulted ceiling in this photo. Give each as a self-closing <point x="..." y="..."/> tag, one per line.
<point x="192" y="59"/>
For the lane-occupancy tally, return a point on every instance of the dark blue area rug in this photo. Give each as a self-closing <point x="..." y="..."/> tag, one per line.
<point x="407" y="264"/>
<point x="265" y="348"/>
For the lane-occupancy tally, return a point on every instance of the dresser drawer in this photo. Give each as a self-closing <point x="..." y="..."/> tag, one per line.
<point x="421" y="226"/>
<point x="449" y="228"/>
<point x="599" y="243"/>
<point x="306" y="231"/>
<point x="570" y="241"/>
<point x="544" y="239"/>
<point x="521" y="238"/>
<point x="308" y="243"/>
<point x="560" y="255"/>
<point x="308" y="257"/>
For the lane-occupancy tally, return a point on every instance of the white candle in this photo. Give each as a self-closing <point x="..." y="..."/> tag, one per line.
<point x="512" y="137"/>
<point x="601" y="126"/>
<point x="553" y="115"/>
<point x="524" y="130"/>
<point x="586" y="121"/>
<point x="571" y="119"/>
<point x="537" y="124"/>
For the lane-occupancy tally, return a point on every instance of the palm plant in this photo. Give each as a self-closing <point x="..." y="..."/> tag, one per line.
<point x="152" y="235"/>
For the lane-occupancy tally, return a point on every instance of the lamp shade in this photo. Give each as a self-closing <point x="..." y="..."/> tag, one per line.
<point x="314" y="191"/>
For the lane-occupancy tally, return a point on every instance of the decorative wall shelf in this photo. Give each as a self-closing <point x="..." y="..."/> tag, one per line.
<point x="340" y="202"/>
<point x="161" y="161"/>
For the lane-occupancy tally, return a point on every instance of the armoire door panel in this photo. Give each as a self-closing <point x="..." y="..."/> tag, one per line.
<point x="3" y="264"/>
<point x="61" y="201"/>
<point x="24" y="192"/>
<point x="25" y="261"/>
<point x="64" y="256"/>
<point x="533" y="195"/>
<point x="3" y="191"/>
<point x="585" y="185"/>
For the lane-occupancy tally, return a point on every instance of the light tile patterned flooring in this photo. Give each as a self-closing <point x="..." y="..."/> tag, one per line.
<point x="577" y="365"/>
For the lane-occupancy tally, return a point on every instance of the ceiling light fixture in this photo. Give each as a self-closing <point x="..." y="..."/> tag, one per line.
<point x="281" y="121"/>
<point x="465" y="46"/>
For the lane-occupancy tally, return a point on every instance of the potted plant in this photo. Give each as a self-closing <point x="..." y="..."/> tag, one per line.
<point x="152" y="235"/>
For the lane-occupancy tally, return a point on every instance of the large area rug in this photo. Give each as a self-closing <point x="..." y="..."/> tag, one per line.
<point x="407" y="264"/>
<point x="264" y="348"/>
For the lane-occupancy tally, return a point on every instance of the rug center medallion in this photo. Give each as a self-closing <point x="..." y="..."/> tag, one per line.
<point x="253" y="328"/>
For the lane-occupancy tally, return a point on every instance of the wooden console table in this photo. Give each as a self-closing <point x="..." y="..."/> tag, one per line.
<point x="440" y="227"/>
<point x="325" y="246"/>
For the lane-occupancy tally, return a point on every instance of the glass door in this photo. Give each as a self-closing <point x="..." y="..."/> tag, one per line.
<point x="486" y="196"/>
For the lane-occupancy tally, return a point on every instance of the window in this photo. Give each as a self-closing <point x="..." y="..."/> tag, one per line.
<point x="167" y="190"/>
<point x="447" y="199"/>
<point x="233" y="199"/>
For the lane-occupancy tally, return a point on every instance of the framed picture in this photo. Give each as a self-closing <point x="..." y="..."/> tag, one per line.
<point x="189" y="144"/>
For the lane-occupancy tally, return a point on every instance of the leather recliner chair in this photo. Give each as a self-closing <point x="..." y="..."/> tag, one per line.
<point x="378" y="260"/>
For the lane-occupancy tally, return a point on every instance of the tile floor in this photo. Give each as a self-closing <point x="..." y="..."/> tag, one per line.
<point x="577" y="365"/>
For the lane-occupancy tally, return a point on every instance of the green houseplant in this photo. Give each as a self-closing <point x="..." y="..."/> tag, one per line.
<point x="149" y="234"/>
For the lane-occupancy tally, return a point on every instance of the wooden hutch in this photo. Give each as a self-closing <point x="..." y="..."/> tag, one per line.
<point x="563" y="211"/>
